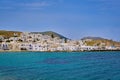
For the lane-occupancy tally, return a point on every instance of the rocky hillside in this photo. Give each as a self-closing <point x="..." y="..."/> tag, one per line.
<point x="91" y="41"/>
<point x="93" y="38"/>
<point x="7" y="34"/>
<point x="51" y="33"/>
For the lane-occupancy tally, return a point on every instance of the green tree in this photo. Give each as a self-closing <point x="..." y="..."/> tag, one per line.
<point x="20" y="40"/>
<point x="65" y="40"/>
<point x="52" y="36"/>
<point x="1" y="40"/>
<point x="7" y="40"/>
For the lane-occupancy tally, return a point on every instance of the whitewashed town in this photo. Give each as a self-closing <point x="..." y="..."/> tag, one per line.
<point x="28" y="41"/>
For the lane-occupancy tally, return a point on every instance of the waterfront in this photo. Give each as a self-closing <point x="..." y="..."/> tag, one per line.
<point x="51" y="43"/>
<point x="60" y="65"/>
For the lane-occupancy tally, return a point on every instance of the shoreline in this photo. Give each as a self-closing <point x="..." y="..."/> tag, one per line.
<point x="64" y="51"/>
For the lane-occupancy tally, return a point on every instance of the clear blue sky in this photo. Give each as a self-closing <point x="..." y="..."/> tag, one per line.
<point x="72" y="18"/>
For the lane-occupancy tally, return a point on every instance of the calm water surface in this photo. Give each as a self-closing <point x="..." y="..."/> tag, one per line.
<point x="60" y="66"/>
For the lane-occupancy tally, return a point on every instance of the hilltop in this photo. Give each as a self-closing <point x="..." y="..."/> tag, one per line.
<point x="98" y="41"/>
<point x="52" y="34"/>
<point x="93" y="38"/>
<point x="8" y="34"/>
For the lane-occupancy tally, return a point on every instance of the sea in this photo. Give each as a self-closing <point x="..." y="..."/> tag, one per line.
<point x="60" y="65"/>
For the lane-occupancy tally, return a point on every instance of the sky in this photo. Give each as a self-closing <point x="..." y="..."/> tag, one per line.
<point x="71" y="18"/>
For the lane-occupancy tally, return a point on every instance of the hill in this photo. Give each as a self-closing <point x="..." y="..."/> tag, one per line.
<point x="100" y="41"/>
<point x="51" y="33"/>
<point x="8" y="34"/>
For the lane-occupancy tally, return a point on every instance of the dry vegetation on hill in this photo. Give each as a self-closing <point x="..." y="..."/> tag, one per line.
<point x="102" y="42"/>
<point x="8" y="34"/>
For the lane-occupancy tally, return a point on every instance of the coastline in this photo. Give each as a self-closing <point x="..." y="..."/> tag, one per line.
<point x="63" y="51"/>
<point x="32" y="42"/>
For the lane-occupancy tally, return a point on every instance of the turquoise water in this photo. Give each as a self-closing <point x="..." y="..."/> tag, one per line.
<point x="60" y="66"/>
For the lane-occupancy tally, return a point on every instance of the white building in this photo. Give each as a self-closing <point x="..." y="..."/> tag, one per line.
<point x="4" y="46"/>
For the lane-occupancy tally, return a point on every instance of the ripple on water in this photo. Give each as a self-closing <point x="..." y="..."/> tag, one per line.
<point x="9" y="78"/>
<point x="56" y="61"/>
<point x="88" y="66"/>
